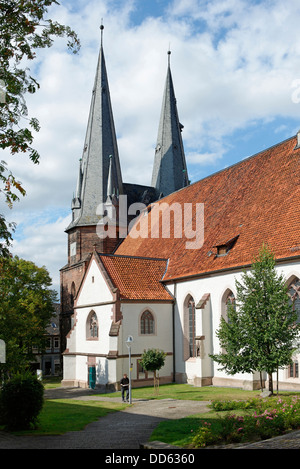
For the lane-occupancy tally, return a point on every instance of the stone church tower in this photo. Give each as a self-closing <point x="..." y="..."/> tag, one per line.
<point x="100" y="182"/>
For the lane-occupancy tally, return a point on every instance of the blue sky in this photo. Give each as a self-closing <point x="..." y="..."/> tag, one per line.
<point x="236" y="72"/>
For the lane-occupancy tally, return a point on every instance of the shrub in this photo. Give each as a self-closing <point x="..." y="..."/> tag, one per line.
<point x="21" y="400"/>
<point x="205" y="437"/>
<point x="270" y="417"/>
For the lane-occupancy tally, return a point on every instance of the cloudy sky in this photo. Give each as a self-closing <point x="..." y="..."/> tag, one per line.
<point x="236" y="72"/>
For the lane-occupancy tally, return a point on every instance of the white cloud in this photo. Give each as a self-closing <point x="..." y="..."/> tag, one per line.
<point x="233" y="64"/>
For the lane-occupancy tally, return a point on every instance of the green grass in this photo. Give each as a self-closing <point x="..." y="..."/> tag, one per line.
<point x="59" y="416"/>
<point x="188" y="392"/>
<point x="62" y="415"/>
<point x="181" y="432"/>
<point x="258" y="419"/>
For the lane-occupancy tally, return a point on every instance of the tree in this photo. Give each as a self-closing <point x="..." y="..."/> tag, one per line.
<point x="26" y="307"/>
<point x="261" y="332"/>
<point x="24" y="29"/>
<point x="153" y="360"/>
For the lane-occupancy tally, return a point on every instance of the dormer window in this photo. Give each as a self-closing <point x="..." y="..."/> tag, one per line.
<point x="223" y="248"/>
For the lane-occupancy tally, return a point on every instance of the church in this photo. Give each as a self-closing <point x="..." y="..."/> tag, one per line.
<point x="159" y="263"/>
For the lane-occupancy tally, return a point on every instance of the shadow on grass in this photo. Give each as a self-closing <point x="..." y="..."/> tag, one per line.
<point x="61" y="416"/>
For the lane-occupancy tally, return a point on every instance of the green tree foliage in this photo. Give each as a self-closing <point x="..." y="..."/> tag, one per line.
<point x="153" y="360"/>
<point x="26" y="307"/>
<point x="261" y="332"/>
<point x="24" y="28"/>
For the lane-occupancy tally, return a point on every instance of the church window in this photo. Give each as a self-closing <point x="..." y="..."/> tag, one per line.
<point x="92" y="329"/>
<point x="192" y="327"/>
<point x="229" y="302"/>
<point x="189" y="329"/>
<point x="293" y="371"/>
<point x="147" y="323"/>
<point x="294" y="294"/>
<point x="73" y="294"/>
<point x="73" y="249"/>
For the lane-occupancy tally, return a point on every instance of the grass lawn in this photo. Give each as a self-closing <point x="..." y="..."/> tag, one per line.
<point x="188" y="392"/>
<point x="180" y="432"/>
<point x="63" y="415"/>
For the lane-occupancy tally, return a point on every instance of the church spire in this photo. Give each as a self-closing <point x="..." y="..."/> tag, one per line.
<point x="169" y="171"/>
<point x="100" y="143"/>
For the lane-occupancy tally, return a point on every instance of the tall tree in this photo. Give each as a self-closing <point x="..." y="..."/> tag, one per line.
<point x="24" y="28"/>
<point x="261" y="332"/>
<point x="26" y="307"/>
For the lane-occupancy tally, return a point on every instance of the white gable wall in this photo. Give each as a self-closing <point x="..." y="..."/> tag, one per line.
<point x="94" y="288"/>
<point x="96" y="296"/>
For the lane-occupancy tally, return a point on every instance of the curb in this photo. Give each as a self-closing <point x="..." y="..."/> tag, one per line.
<point x="157" y="445"/>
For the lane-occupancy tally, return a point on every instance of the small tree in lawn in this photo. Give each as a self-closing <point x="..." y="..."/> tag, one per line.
<point x="261" y="332"/>
<point x="153" y="360"/>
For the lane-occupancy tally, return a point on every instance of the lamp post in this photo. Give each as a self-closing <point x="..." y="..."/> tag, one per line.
<point x="128" y="343"/>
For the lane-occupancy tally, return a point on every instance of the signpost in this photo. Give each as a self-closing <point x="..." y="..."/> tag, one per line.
<point x="129" y="343"/>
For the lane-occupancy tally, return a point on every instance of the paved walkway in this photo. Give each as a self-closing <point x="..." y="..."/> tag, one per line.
<point x="128" y="429"/>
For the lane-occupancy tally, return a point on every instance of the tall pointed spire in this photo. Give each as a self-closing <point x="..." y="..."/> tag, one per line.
<point x="100" y="143"/>
<point x="169" y="170"/>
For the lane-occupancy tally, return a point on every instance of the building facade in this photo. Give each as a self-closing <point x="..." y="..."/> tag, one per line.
<point x="168" y="281"/>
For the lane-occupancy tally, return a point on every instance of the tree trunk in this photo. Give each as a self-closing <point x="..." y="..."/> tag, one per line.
<point x="270" y="383"/>
<point x="261" y="384"/>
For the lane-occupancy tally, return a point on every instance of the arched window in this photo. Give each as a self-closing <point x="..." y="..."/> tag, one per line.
<point x="192" y="328"/>
<point x="92" y="329"/>
<point x="147" y="323"/>
<point x="227" y="301"/>
<point x="189" y="328"/>
<point x="73" y="294"/>
<point x="294" y="294"/>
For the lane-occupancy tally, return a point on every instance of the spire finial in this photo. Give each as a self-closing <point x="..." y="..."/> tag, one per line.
<point x="169" y="53"/>
<point x="101" y="29"/>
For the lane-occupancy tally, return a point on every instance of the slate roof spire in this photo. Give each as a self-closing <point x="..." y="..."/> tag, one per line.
<point x="169" y="170"/>
<point x="100" y="143"/>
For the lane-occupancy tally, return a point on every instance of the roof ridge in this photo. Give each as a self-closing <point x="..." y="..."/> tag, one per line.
<point x="133" y="257"/>
<point x="231" y="166"/>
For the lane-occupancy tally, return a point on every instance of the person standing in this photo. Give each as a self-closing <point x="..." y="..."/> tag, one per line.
<point x="125" y="387"/>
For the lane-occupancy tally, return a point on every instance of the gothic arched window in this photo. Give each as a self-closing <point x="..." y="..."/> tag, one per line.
<point x="92" y="329"/>
<point x="294" y="294"/>
<point x="189" y="348"/>
<point x="147" y="323"/>
<point x="228" y="301"/>
<point x="192" y="327"/>
<point x="73" y="294"/>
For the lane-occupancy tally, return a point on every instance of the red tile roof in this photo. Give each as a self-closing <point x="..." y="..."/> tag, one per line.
<point x="256" y="200"/>
<point x="137" y="278"/>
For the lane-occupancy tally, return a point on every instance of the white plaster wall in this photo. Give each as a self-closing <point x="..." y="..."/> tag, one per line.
<point x="161" y="339"/>
<point x="94" y="288"/>
<point x="69" y="364"/>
